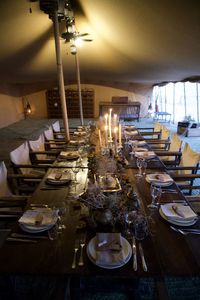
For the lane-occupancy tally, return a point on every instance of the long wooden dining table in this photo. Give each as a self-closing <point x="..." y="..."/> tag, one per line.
<point x="170" y="256"/>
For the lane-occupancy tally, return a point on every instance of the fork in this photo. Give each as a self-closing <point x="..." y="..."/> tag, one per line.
<point x="76" y="247"/>
<point x="82" y="244"/>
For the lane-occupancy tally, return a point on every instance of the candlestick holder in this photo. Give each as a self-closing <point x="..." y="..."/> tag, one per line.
<point x="110" y="140"/>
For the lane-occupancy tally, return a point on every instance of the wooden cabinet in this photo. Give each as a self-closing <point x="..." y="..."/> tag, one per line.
<point x="127" y="111"/>
<point x="72" y="100"/>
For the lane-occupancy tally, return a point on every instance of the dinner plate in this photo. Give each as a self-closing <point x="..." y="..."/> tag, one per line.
<point x="126" y="248"/>
<point x="141" y="149"/>
<point x="57" y="182"/>
<point x="145" y="155"/>
<point x="69" y="157"/>
<point x="185" y="223"/>
<point x="159" y="183"/>
<point x="35" y="229"/>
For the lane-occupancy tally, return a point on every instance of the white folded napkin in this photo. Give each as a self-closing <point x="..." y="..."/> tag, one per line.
<point x="131" y="132"/>
<point x="159" y="177"/>
<point x="178" y="212"/>
<point x="69" y="154"/>
<point x="147" y="154"/>
<point x="58" y="175"/>
<point x="77" y="142"/>
<point x="80" y="133"/>
<point x="39" y="217"/>
<point x="109" y="249"/>
<point x="127" y="128"/>
<point x="140" y="149"/>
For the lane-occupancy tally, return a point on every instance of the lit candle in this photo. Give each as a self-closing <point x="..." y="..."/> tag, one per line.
<point x="120" y="135"/>
<point x="106" y="135"/>
<point x="106" y="119"/>
<point x="115" y="133"/>
<point x="109" y="124"/>
<point x="100" y="142"/>
<point x="115" y="120"/>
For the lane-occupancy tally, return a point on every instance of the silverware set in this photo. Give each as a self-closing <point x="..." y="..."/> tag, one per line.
<point x="79" y="245"/>
<point x="185" y="231"/>
<point x="141" y="251"/>
<point x="25" y="238"/>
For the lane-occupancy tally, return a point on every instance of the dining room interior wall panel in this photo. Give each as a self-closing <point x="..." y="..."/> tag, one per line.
<point x="11" y="110"/>
<point x="38" y="105"/>
<point x="105" y="93"/>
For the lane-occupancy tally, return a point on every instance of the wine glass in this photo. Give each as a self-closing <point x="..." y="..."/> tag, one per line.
<point x="139" y="163"/>
<point x="155" y="195"/>
<point x="133" y="146"/>
<point x="129" y="219"/>
<point x="76" y="169"/>
<point x="60" y="209"/>
<point x="144" y="166"/>
<point x="140" y="227"/>
<point x="126" y="136"/>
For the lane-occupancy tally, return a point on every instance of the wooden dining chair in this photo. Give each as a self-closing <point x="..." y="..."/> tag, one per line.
<point x="38" y="154"/>
<point x="174" y="146"/>
<point x="21" y="164"/>
<point x="8" y="189"/>
<point x="186" y="172"/>
<point x="151" y="132"/>
<point x="57" y="131"/>
<point x="51" y="142"/>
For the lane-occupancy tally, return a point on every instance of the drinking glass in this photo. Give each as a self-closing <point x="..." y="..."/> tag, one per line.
<point x="129" y="219"/>
<point x="144" y="166"/>
<point x="60" y="208"/>
<point x="126" y="136"/>
<point x="133" y="146"/>
<point x="140" y="227"/>
<point x="155" y="195"/>
<point x="139" y="163"/>
<point x="76" y="169"/>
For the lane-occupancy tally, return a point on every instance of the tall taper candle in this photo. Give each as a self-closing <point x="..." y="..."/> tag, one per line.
<point x="106" y="135"/>
<point x="109" y="124"/>
<point x="100" y="142"/>
<point x="106" y="119"/>
<point x="120" y="135"/>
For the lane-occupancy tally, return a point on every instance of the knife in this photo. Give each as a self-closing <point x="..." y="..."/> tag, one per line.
<point x="28" y="236"/>
<point x="9" y="215"/>
<point x="134" y="249"/>
<point x="12" y="239"/>
<point x="144" y="265"/>
<point x="194" y="230"/>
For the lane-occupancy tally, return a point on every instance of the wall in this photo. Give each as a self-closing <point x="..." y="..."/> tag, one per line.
<point x="11" y="110"/>
<point x="104" y="93"/>
<point x="38" y="105"/>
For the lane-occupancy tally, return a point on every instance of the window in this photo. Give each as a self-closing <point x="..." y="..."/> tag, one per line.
<point x="180" y="99"/>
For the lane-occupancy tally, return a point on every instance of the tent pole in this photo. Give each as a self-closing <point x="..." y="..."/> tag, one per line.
<point x="60" y="75"/>
<point x="79" y="89"/>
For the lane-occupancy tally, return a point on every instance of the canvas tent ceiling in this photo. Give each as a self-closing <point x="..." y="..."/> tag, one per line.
<point x="134" y="41"/>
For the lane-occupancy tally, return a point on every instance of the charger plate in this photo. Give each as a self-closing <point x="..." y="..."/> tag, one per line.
<point x="91" y="252"/>
<point x="183" y="223"/>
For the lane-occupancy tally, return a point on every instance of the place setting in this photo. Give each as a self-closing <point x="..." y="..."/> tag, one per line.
<point x="38" y="220"/>
<point x="57" y="178"/>
<point x="179" y="214"/>
<point x="68" y="155"/>
<point x="159" y="179"/>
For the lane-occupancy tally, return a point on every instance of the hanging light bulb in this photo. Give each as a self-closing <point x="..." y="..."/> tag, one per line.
<point x="73" y="49"/>
<point x="78" y="42"/>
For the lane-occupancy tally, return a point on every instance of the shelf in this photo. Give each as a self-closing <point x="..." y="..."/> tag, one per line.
<point x="72" y="101"/>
